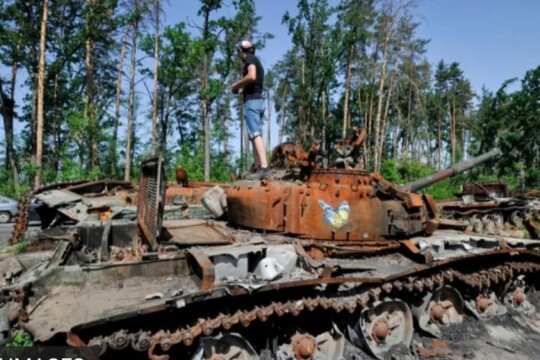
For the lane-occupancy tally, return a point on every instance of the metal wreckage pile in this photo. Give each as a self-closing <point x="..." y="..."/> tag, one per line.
<point x="289" y="267"/>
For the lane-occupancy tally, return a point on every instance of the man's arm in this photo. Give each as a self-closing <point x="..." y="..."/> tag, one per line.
<point x="250" y="77"/>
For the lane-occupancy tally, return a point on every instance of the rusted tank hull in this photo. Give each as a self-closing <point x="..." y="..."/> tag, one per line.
<point x="332" y="205"/>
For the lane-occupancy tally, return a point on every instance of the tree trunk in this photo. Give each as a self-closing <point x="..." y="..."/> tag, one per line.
<point x="302" y="113"/>
<point x="156" y="68"/>
<point x="89" y="110"/>
<point x="282" y="114"/>
<point x="33" y="115"/>
<point x="369" y="116"/>
<point x="439" y="146"/>
<point x="164" y="129"/>
<point x="385" y="120"/>
<point x="205" y="106"/>
<point x="454" y="132"/>
<point x="395" y="142"/>
<point x="207" y="143"/>
<point x="7" y="105"/>
<point x="323" y="116"/>
<point x="131" y="111"/>
<point x="54" y="127"/>
<point x="41" y="94"/>
<point x="118" y="103"/>
<point x="378" y="114"/>
<point x="226" y="123"/>
<point x="347" y="92"/>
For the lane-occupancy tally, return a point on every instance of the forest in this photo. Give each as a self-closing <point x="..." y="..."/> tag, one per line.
<point x="91" y="87"/>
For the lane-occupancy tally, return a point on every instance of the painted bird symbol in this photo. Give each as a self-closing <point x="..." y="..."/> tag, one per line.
<point x="336" y="217"/>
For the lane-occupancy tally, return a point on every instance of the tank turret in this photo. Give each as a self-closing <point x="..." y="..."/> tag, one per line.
<point x="339" y="204"/>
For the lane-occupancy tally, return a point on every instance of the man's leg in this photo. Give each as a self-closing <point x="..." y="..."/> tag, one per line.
<point x="259" y="152"/>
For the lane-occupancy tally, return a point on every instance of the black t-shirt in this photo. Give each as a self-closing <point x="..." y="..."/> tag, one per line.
<point x="255" y="89"/>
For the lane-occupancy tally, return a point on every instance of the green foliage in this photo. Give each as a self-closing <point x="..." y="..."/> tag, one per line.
<point x="20" y="338"/>
<point x="16" y="248"/>
<point x="193" y="163"/>
<point x="532" y="179"/>
<point x="390" y="171"/>
<point x="510" y="120"/>
<point x="8" y="188"/>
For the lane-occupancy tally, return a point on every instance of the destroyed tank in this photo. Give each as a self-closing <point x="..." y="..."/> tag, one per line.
<point x="491" y="207"/>
<point x="297" y="266"/>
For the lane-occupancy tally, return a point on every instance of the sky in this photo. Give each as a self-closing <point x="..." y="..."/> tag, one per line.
<point x="492" y="40"/>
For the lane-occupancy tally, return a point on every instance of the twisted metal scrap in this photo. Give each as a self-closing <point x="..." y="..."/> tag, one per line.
<point x="23" y="211"/>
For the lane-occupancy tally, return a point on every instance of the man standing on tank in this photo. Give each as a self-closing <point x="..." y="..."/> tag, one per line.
<point x="251" y="86"/>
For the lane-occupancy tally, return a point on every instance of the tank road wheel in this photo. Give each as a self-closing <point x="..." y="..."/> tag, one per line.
<point x="383" y="326"/>
<point x="465" y="219"/>
<point x="485" y="306"/>
<point x="476" y="223"/>
<point x="225" y="347"/>
<point x="516" y="218"/>
<point x="329" y="345"/>
<point x="488" y="224"/>
<point x="442" y="307"/>
<point x="517" y="294"/>
<point x="498" y="219"/>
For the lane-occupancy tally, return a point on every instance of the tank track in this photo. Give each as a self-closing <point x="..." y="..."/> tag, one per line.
<point x="472" y="285"/>
<point x="23" y="211"/>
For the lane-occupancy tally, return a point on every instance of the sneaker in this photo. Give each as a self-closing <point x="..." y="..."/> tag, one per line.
<point x="262" y="173"/>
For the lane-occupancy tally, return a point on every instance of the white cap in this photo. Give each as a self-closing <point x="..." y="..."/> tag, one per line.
<point x="245" y="45"/>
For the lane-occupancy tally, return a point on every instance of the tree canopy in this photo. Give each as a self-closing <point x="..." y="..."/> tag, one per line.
<point x="357" y="64"/>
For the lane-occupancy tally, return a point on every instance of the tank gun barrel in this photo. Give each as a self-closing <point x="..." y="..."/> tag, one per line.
<point x="451" y="171"/>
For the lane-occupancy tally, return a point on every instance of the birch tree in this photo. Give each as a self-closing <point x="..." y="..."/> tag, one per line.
<point x="41" y="94"/>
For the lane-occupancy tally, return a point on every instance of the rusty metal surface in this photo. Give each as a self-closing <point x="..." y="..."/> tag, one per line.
<point x="349" y="150"/>
<point x="487" y="189"/>
<point x="107" y="290"/>
<point x="261" y="313"/>
<point x="332" y="205"/>
<point x="151" y="199"/>
<point x="338" y="203"/>
<point x="190" y="194"/>
<point x="194" y="232"/>
<point x="201" y="264"/>
<point x="321" y="250"/>
<point x="290" y="155"/>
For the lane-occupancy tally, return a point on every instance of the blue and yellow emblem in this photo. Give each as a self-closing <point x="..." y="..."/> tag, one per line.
<point x="336" y="217"/>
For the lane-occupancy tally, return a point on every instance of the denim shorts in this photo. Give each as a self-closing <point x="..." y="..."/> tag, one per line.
<point x="253" y="113"/>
